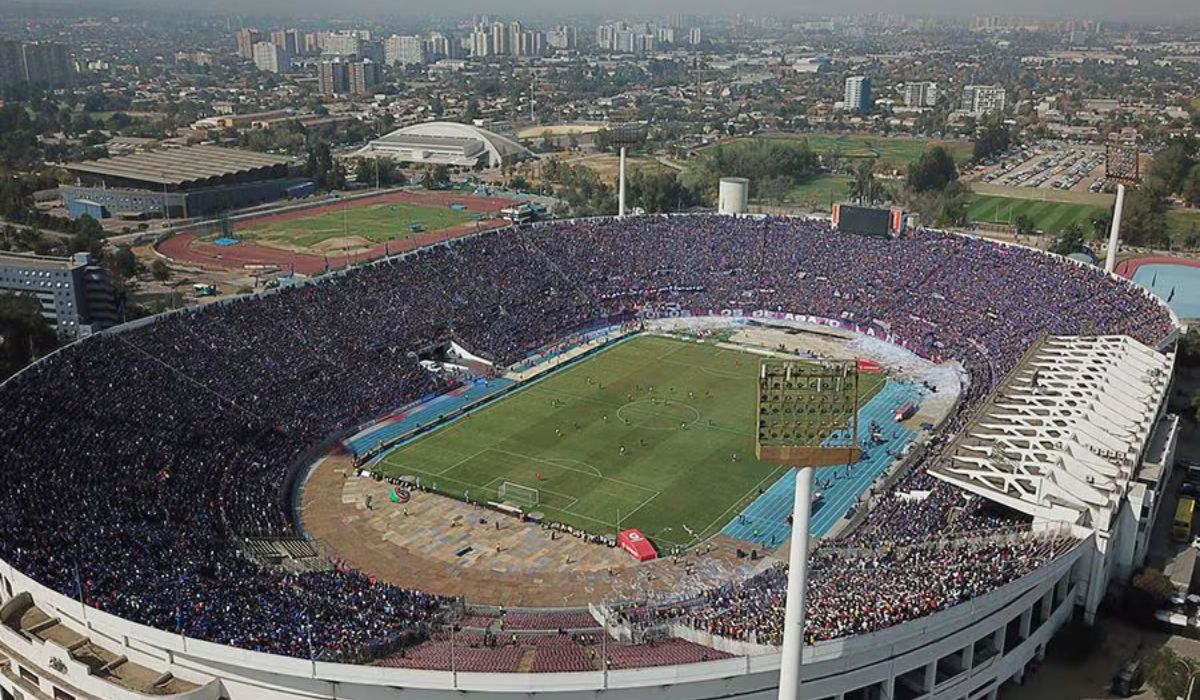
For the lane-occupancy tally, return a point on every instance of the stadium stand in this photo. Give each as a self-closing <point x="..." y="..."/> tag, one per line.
<point x="175" y="439"/>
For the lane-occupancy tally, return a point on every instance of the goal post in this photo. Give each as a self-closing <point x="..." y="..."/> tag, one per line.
<point x="519" y="493"/>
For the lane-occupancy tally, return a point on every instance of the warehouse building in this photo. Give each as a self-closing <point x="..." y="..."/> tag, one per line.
<point x="180" y="183"/>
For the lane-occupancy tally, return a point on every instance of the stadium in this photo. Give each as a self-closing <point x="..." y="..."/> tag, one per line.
<point x="414" y="478"/>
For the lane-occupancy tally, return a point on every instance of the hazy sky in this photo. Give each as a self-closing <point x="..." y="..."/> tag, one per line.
<point x="1183" y="9"/>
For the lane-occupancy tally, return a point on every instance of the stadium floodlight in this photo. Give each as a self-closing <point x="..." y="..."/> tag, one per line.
<point x="519" y="493"/>
<point x="1121" y="163"/>
<point x="624" y="136"/>
<point x="807" y="418"/>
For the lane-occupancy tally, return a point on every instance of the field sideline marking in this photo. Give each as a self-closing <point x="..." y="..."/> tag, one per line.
<point x="771" y="476"/>
<point x="572" y="469"/>
<point x="460" y="462"/>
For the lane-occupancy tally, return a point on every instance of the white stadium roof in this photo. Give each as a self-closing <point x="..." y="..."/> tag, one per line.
<point x="1062" y="437"/>
<point x="448" y="143"/>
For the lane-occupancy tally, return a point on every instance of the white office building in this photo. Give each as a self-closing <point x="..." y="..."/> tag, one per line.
<point x="858" y="94"/>
<point x="920" y="94"/>
<point x="270" y="57"/>
<point x="406" y="50"/>
<point x="978" y="100"/>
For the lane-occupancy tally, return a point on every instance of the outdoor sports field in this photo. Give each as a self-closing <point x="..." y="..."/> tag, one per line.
<point x="681" y="410"/>
<point x="1049" y="217"/>
<point x="375" y="223"/>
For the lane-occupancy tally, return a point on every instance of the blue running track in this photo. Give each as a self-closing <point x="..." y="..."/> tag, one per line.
<point x="764" y="521"/>
<point x="426" y="412"/>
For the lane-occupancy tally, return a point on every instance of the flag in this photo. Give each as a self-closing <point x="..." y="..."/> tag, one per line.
<point x="327" y="263"/>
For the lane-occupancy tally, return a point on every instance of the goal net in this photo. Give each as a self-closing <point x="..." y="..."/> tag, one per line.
<point x="525" y="495"/>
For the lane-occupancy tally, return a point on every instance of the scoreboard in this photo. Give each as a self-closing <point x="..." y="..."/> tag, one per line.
<point x="868" y="221"/>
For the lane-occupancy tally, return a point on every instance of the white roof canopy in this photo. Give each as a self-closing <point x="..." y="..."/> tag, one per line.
<point x="1061" y="438"/>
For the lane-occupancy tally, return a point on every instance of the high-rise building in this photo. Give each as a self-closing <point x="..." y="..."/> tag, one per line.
<point x="605" y="34"/>
<point x="12" y="62"/>
<point x="313" y="42"/>
<point x="246" y="39"/>
<point x="500" y="43"/>
<point x="288" y="40"/>
<point x="981" y="99"/>
<point x="920" y="94"/>
<point x="347" y="44"/>
<point x="333" y="77"/>
<point x="364" y="76"/>
<point x="563" y="38"/>
<point x="405" y="51"/>
<point x="444" y="46"/>
<point x="695" y="36"/>
<point x="858" y="94"/>
<point x="515" y="30"/>
<point x="481" y="43"/>
<point x="270" y="57"/>
<point x="37" y="63"/>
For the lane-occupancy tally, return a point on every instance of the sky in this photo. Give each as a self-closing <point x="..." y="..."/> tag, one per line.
<point x="1164" y="9"/>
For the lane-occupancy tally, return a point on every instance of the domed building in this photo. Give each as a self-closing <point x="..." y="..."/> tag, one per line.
<point x="447" y="143"/>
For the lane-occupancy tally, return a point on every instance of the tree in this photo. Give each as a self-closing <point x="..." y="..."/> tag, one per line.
<point x="1144" y="220"/>
<point x="863" y="187"/>
<point x="378" y="170"/>
<point x="1171" y="166"/>
<point x="1023" y="224"/>
<point x="933" y="171"/>
<point x="24" y="333"/>
<point x="123" y="263"/>
<point x="774" y="188"/>
<point x="1191" y="187"/>
<point x="993" y="139"/>
<point x="436" y="177"/>
<point x="159" y="271"/>
<point x="1069" y="241"/>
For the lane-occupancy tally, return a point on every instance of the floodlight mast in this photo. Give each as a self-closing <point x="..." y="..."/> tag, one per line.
<point x="786" y="387"/>
<point x="623" y="136"/>
<point x="1121" y="163"/>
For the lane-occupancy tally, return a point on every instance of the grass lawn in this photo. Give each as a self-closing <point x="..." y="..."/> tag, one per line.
<point x="894" y="151"/>
<point x="891" y="151"/>
<point x="376" y="223"/>
<point x="1048" y="217"/>
<point x="819" y="191"/>
<point x="677" y="480"/>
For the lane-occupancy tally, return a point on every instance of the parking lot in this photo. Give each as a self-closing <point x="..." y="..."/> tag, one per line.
<point x="1050" y="165"/>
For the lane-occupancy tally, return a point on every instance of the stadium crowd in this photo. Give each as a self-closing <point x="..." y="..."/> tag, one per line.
<point x="137" y="460"/>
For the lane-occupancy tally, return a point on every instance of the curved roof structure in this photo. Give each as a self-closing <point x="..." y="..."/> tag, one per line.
<point x="1061" y="439"/>
<point x="448" y="143"/>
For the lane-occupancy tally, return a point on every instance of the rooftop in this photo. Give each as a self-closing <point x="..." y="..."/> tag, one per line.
<point x="180" y="166"/>
<point x="1064" y="435"/>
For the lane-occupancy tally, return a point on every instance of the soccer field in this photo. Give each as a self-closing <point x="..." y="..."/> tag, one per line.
<point x="681" y="411"/>
<point x="1048" y="217"/>
<point x="376" y="223"/>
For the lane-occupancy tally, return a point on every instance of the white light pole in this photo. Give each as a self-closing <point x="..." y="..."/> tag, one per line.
<point x="793" y="620"/>
<point x="1114" y="235"/>
<point x="621" y="187"/>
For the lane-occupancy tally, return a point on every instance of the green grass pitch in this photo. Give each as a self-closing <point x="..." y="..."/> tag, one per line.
<point x="677" y="480"/>
<point x="375" y="222"/>
<point x="1048" y="217"/>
